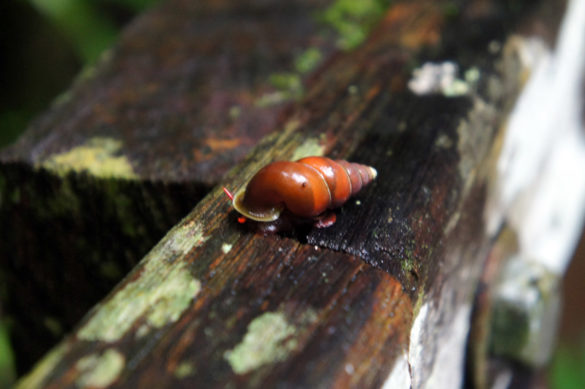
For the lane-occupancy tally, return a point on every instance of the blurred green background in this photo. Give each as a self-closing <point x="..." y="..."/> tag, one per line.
<point x="45" y="43"/>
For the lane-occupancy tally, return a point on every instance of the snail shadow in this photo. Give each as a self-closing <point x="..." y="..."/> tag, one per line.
<point x="286" y="226"/>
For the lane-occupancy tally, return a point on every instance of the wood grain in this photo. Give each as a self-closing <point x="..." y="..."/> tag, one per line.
<point x="218" y="305"/>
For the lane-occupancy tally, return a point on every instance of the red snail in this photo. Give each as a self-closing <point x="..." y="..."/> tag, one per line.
<point x="305" y="188"/>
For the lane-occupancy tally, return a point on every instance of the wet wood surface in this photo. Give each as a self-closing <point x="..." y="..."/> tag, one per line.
<point x="136" y="142"/>
<point x="378" y="297"/>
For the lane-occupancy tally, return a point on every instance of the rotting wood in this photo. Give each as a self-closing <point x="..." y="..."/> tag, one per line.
<point x="384" y="296"/>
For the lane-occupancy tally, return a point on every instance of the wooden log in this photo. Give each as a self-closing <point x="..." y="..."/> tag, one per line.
<point x="136" y="143"/>
<point x="381" y="298"/>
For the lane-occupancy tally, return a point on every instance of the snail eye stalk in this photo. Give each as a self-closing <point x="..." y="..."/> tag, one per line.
<point x="228" y="193"/>
<point x="241" y="219"/>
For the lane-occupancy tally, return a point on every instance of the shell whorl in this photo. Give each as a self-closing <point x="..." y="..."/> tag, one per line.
<point x="306" y="187"/>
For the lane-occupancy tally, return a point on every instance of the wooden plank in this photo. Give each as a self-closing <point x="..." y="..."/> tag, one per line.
<point x="136" y="142"/>
<point x="383" y="296"/>
<point x="185" y="91"/>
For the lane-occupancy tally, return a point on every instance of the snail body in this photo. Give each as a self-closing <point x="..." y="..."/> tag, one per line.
<point x="306" y="188"/>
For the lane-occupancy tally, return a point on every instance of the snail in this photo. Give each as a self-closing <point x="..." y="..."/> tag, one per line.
<point x="305" y="189"/>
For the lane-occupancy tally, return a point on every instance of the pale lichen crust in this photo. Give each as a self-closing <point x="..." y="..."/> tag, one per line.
<point x="99" y="156"/>
<point x="158" y="297"/>
<point x="270" y="338"/>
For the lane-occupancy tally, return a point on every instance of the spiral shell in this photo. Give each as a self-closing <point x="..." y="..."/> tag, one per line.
<point x="306" y="187"/>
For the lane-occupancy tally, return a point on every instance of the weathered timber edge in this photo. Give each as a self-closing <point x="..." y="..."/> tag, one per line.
<point x="139" y="139"/>
<point x="380" y="297"/>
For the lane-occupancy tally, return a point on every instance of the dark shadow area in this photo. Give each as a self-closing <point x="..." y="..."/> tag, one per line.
<point x="68" y="241"/>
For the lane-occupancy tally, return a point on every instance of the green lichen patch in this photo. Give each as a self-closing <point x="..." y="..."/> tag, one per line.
<point x="456" y="88"/>
<point x="472" y="75"/>
<point x="308" y="60"/>
<point x="353" y="20"/>
<point x="270" y="338"/>
<point x="525" y="306"/>
<point x="270" y="99"/>
<point x="99" y="371"/>
<point x="183" y="238"/>
<point x="288" y="85"/>
<point x="310" y="147"/>
<point x="98" y="157"/>
<point x="185" y="369"/>
<point x="286" y="81"/>
<point x="407" y="263"/>
<point x="158" y="297"/>
<point x="172" y="297"/>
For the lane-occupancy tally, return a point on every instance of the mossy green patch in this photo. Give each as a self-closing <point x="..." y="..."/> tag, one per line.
<point x="158" y="297"/>
<point x="270" y="338"/>
<point x="288" y="85"/>
<point x="525" y="306"/>
<point x="407" y="263"/>
<point x="98" y="371"/>
<point x="512" y="327"/>
<point x="98" y="157"/>
<point x="311" y="147"/>
<point x="270" y="99"/>
<point x="308" y="60"/>
<point x="286" y="81"/>
<point x="353" y="20"/>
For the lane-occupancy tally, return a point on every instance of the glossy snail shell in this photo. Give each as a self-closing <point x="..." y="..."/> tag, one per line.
<point x="306" y="187"/>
